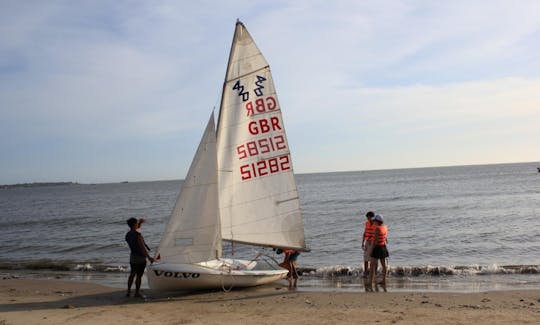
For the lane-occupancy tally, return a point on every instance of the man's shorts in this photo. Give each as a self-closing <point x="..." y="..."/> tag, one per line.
<point x="138" y="268"/>
<point x="137" y="263"/>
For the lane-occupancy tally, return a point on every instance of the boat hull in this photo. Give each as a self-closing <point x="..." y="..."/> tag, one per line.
<point x="209" y="275"/>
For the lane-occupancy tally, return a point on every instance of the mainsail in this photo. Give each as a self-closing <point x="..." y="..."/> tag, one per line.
<point x="258" y="198"/>
<point x="192" y="234"/>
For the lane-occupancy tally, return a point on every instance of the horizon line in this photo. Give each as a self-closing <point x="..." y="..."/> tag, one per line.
<point x="52" y="183"/>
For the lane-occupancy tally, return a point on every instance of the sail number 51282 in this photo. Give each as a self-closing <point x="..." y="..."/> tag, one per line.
<point x="265" y="167"/>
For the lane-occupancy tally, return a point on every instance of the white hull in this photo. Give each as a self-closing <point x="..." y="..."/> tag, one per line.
<point x="216" y="274"/>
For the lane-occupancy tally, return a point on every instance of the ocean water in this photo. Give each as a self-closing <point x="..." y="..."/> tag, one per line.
<point x="465" y="228"/>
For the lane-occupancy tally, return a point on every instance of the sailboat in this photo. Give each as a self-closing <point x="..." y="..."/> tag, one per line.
<point x="240" y="187"/>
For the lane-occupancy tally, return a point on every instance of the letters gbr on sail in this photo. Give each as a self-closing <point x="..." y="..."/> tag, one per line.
<point x="265" y="150"/>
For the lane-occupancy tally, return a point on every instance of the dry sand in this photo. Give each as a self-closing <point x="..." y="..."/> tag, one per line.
<point x="28" y="301"/>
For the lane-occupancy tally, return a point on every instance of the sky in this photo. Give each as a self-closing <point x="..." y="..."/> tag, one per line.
<point x="110" y="91"/>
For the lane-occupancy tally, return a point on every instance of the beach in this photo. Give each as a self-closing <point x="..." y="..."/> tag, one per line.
<point x="31" y="301"/>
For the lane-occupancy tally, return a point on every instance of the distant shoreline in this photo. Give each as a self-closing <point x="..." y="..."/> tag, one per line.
<point x="37" y="184"/>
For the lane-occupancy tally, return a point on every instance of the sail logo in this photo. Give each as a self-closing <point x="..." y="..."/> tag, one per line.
<point x="245" y="94"/>
<point x="258" y="91"/>
<point x="238" y="86"/>
<point x="184" y="275"/>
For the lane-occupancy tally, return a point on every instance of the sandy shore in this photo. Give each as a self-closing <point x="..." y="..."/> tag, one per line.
<point x="28" y="301"/>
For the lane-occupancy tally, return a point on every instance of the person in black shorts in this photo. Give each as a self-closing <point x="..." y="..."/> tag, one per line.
<point x="138" y="256"/>
<point x="379" y="252"/>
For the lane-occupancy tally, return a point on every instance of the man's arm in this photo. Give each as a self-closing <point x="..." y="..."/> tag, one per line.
<point x="143" y="248"/>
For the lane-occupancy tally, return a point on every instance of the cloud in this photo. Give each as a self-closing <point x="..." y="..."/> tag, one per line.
<point x="429" y="75"/>
<point x="422" y="126"/>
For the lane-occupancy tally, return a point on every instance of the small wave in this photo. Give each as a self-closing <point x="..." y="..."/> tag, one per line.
<point x="84" y="267"/>
<point x="119" y="268"/>
<point x="54" y="265"/>
<point x="334" y="271"/>
<point x="416" y="271"/>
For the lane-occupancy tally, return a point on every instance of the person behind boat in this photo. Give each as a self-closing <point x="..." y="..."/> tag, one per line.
<point x="290" y="262"/>
<point x="378" y="251"/>
<point x="367" y="240"/>
<point x="138" y="256"/>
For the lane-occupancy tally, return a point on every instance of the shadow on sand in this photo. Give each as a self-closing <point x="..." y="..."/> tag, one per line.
<point x="117" y="297"/>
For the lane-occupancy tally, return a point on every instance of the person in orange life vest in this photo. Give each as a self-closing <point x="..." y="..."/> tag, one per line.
<point x="379" y="252"/>
<point x="367" y="240"/>
<point x="290" y="261"/>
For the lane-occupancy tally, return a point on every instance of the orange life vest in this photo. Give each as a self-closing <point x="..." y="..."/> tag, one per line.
<point x="381" y="239"/>
<point x="369" y="231"/>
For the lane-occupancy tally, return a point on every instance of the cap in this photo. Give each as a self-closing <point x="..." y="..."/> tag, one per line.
<point x="378" y="217"/>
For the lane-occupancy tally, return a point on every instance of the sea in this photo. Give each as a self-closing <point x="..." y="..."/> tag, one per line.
<point x="453" y="229"/>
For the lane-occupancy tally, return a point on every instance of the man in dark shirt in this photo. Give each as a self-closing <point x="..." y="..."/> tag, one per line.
<point x="137" y="258"/>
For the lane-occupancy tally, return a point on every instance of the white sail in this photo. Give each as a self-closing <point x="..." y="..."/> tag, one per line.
<point x="258" y="198"/>
<point x="240" y="187"/>
<point x="192" y="234"/>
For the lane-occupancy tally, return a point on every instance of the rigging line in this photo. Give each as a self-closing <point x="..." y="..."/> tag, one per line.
<point x="254" y="259"/>
<point x="270" y="257"/>
<point x="231" y="229"/>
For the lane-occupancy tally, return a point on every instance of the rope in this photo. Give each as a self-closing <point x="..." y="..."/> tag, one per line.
<point x="228" y="269"/>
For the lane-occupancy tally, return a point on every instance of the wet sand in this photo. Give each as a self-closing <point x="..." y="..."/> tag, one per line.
<point x="30" y="301"/>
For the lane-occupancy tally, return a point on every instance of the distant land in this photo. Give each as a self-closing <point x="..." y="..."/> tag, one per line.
<point x="37" y="184"/>
<point x="45" y="184"/>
